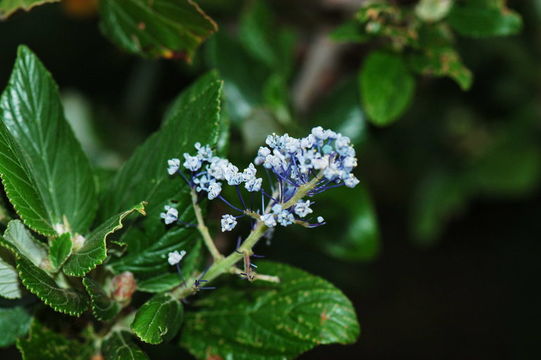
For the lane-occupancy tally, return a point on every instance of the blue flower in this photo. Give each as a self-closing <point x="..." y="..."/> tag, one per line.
<point x="324" y="159"/>
<point x="170" y="215"/>
<point x="173" y="166"/>
<point x="228" y="222"/>
<point x="175" y="257"/>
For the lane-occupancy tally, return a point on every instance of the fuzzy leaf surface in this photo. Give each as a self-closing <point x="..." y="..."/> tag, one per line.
<point x="270" y="321"/>
<point x="94" y="250"/>
<point x="45" y="173"/>
<point x="38" y="282"/>
<point x="159" y="319"/>
<point x="103" y="307"/>
<point x="120" y="346"/>
<point x="159" y="28"/>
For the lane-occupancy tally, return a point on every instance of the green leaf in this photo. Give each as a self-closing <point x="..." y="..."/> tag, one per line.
<point x="120" y="346"/>
<point x="386" y="87"/>
<point x="159" y="28"/>
<point x="243" y="89"/>
<point x="359" y="239"/>
<point x="38" y="282"/>
<point x="8" y="7"/>
<point x="60" y="250"/>
<point x="438" y="198"/>
<point x="45" y="173"/>
<point x="160" y="283"/>
<point x="159" y="319"/>
<point x="19" y="240"/>
<point x="94" y="249"/>
<point x="270" y="321"/>
<point x="263" y="38"/>
<point x="433" y="10"/>
<point x="14" y="323"/>
<point x="9" y="281"/>
<point x="350" y="31"/>
<point x="477" y="19"/>
<point x="442" y="62"/>
<point x="44" y="344"/>
<point x="103" y="307"/>
<point x="151" y="259"/>
<point x="193" y="117"/>
<point x="341" y="111"/>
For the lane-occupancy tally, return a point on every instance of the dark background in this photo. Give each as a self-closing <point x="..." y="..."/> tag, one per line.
<point x="471" y="293"/>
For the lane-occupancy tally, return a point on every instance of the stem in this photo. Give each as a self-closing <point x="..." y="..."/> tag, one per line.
<point x="223" y="265"/>
<point x="204" y="230"/>
<point x="302" y="191"/>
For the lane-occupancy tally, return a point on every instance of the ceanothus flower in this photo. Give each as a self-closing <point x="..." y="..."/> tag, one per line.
<point x="192" y="163"/>
<point x="175" y="257"/>
<point x="269" y="220"/>
<point x="170" y="215"/>
<point x="318" y="162"/>
<point x="302" y="208"/>
<point x="172" y="166"/>
<point x="228" y="222"/>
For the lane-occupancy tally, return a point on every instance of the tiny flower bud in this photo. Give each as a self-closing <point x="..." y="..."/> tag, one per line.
<point x="228" y="222"/>
<point x="124" y="285"/>
<point x="175" y="257"/>
<point x="173" y="166"/>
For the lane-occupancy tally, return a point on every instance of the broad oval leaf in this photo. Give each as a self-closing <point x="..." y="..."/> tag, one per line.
<point x="159" y="28"/>
<point x="152" y="259"/>
<point x="120" y="346"/>
<point x="94" y="249"/>
<point x="8" y="7"/>
<point x="20" y="241"/>
<point x="193" y="117"/>
<point x="159" y="319"/>
<point x="386" y="87"/>
<point x="60" y="250"/>
<point x="44" y="344"/>
<point x="9" y="281"/>
<point x="359" y="239"/>
<point x="46" y="175"/>
<point x="341" y="111"/>
<point x="477" y="19"/>
<point x="38" y="282"/>
<point x="103" y="307"/>
<point x="270" y="321"/>
<point x="14" y="323"/>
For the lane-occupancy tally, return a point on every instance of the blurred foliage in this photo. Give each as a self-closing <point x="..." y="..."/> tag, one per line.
<point x="442" y="148"/>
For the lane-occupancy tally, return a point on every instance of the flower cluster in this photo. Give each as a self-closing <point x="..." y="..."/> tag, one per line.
<point x="209" y="172"/>
<point x="322" y="160"/>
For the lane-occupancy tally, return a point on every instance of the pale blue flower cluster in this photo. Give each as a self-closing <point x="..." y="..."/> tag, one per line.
<point x="324" y="157"/>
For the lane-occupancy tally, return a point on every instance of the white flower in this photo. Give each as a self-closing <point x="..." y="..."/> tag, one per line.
<point x="262" y="154"/>
<point x="228" y="222"/>
<point x="320" y="162"/>
<point x="350" y="162"/>
<point x="351" y="181"/>
<point x="285" y="218"/>
<point x="253" y="184"/>
<point x="175" y="257"/>
<point x="302" y="208"/>
<point x="170" y="215"/>
<point x="319" y="133"/>
<point x="203" y="183"/>
<point x="203" y="152"/>
<point x="269" y="220"/>
<point x="192" y="163"/>
<point x="320" y="219"/>
<point x="172" y="166"/>
<point x="277" y="208"/>
<point x="215" y="188"/>
<point x="218" y="168"/>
